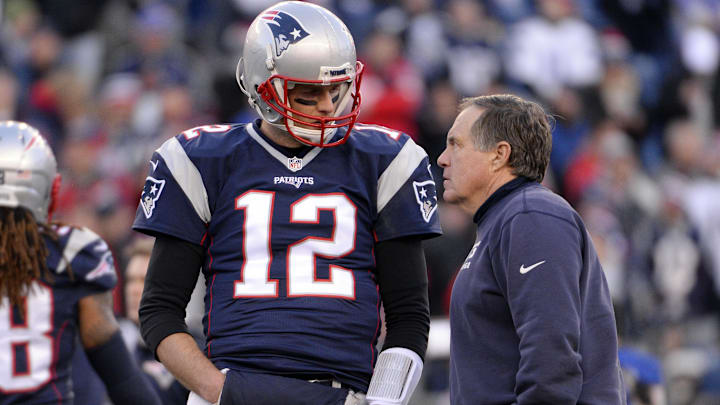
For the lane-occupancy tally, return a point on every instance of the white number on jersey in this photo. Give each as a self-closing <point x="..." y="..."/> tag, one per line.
<point x="302" y="281"/>
<point x="255" y="273"/>
<point x="32" y="337"/>
<point x="195" y="132"/>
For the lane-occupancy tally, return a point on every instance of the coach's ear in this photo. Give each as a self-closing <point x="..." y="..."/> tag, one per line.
<point x="501" y="156"/>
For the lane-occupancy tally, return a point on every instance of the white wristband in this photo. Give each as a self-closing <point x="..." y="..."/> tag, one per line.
<point x="395" y="377"/>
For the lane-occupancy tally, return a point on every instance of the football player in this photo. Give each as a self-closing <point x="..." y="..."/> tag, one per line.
<point x="55" y="284"/>
<point x="304" y="222"/>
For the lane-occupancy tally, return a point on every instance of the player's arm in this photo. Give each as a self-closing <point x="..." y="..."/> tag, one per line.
<point x="171" y="277"/>
<point x="402" y="277"/>
<point x="108" y="355"/>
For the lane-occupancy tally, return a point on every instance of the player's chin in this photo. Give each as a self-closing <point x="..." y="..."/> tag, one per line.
<point x="316" y="125"/>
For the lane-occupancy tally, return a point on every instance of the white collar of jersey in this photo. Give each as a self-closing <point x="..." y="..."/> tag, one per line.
<point x="279" y="155"/>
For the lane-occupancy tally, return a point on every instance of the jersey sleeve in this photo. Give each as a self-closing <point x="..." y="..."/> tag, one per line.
<point x="174" y="200"/>
<point x="406" y="198"/>
<point x="90" y="261"/>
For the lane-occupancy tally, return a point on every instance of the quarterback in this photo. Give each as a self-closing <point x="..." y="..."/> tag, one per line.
<point x="305" y="224"/>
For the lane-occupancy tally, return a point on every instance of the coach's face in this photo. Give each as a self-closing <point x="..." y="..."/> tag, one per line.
<point x="466" y="169"/>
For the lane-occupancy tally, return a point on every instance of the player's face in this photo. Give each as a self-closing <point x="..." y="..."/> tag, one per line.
<point x="134" y="281"/>
<point x="314" y="100"/>
<point x="466" y="170"/>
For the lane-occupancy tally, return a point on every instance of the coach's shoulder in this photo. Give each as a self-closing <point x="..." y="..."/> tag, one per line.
<point x="538" y="199"/>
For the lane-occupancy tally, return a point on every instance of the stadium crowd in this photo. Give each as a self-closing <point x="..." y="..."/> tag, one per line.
<point x="634" y="87"/>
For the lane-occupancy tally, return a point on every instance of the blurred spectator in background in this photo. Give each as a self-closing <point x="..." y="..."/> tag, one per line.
<point x="169" y="390"/>
<point x="392" y="86"/>
<point x="643" y="377"/>
<point x="695" y="188"/>
<point x="570" y="132"/>
<point x="646" y="25"/>
<point x="473" y="43"/>
<point x="554" y="49"/>
<point x="155" y="51"/>
<point x="84" y="48"/>
<point x="620" y="91"/>
<point x="425" y="37"/>
<point x="434" y="118"/>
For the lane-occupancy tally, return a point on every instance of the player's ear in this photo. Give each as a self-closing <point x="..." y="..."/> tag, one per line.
<point x="502" y="155"/>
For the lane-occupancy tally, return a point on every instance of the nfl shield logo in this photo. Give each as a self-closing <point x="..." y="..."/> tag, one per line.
<point x="294" y="164"/>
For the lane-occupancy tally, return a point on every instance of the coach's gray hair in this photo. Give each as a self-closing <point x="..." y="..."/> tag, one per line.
<point x="521" y="123"/>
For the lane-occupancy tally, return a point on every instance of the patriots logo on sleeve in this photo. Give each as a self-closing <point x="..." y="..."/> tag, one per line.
<point x="285" y="28"/>
<point x="105" y="267"/>
<point x="426" y="197"/>
<point x="150" y="194"/>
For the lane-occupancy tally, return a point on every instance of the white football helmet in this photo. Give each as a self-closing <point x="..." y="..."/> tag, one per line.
<point x="28" y="170"/>
<point x="292" y="43"/>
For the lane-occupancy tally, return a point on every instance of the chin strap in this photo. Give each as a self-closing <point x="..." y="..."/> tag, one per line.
<point x="395" y="377"/>
<point x="311" y="135"/>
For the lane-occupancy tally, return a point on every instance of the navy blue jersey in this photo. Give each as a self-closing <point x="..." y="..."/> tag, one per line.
<point x="531" y="316"/>
<point x="289" y="264"/>
<point x="36" y="350"/>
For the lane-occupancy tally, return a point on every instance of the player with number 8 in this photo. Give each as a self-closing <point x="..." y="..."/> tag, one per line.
<point x="55" y="287"/>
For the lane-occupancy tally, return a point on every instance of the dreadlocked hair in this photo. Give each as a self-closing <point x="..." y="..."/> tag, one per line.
<point x="23" y="253"/>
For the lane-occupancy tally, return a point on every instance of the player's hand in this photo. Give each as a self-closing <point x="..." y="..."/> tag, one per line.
<point x="355" y="398"/>
<point x="195" y="399"/>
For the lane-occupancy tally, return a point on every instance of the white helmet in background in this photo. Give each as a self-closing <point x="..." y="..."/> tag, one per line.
<point x="28" y="170"/>
<point x="296" y="42"/>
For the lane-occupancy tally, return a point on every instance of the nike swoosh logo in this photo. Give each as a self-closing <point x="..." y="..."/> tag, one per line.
<point x="154" y="165"/>
<point x="524" y="269"/>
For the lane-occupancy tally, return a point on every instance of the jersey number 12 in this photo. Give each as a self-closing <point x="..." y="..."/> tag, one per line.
<point x="301" y="280"/>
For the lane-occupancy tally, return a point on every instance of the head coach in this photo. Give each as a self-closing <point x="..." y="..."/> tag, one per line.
<point x="531" y="316"/>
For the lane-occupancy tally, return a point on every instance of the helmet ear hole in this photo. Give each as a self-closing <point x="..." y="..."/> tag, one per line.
<point x="54" y="192"/>
<point x="239" y="70"/>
